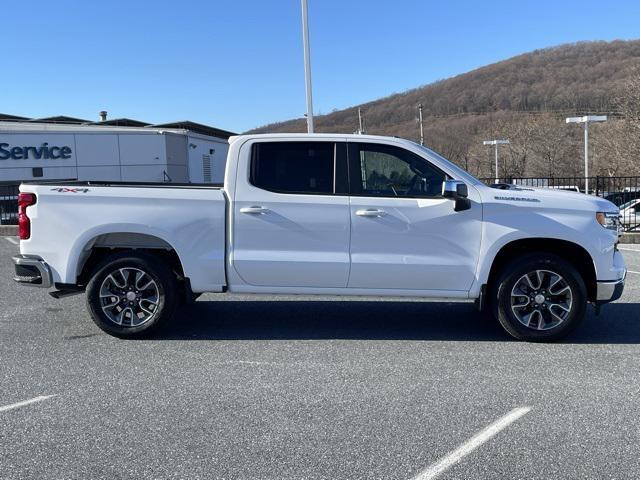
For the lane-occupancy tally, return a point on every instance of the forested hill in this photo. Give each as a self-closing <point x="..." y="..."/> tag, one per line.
<point x="525" y="99"/>
<point x="574" y="78"/>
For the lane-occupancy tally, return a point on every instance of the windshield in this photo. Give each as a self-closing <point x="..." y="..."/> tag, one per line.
<point x="460" y="174"/>
<point x="627" y="204"/>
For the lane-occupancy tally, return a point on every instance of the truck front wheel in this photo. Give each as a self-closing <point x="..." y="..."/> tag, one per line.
<point x="131" y="294"/>
<point x="540" y="297"/>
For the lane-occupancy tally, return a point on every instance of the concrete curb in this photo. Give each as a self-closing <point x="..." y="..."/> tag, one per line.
<point x="630" y="238"/>
<point x="8" y="230"/>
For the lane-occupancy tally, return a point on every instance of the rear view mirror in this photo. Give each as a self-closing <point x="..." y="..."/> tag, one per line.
<point x="415" y="168"/>
<point x="458" y="191"/>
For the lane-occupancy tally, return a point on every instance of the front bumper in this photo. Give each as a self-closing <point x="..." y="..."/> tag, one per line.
<point x="610" y="291"/>
<point x="32" y="270"/>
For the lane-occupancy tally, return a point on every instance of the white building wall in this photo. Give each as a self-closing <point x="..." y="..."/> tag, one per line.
<point x="98" y="157"/>
<point x="11" y="169"/>
<point x="176" y="153"/>
<point x="142" y="158"/>
<point x="117" y="155"/>
<point x="203" y="151"/>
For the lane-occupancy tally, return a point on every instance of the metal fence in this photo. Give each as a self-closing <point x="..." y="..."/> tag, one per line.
<point x="8" y="204"/>
<point x="622" y="191"/>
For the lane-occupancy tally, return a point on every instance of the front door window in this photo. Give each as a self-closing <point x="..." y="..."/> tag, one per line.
<point x="387" y="171"/>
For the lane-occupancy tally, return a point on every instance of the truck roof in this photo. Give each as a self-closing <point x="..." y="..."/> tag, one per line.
<point x="311" y="136"/>
<point x="448" y="166"/>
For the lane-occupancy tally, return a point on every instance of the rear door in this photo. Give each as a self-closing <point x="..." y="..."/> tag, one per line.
<point x="405" y="234"/>
<point x="291" y="215"/>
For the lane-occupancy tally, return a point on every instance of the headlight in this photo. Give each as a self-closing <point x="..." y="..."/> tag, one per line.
<point x="609" y="220"/>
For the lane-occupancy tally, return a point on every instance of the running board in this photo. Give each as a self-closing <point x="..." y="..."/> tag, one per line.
<point x="58" y="294"/>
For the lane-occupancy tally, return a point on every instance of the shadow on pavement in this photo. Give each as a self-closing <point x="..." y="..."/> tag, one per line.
<point x="371" y="320"/>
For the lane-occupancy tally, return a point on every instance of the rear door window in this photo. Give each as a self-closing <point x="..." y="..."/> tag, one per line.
<point x="299" y="167"/>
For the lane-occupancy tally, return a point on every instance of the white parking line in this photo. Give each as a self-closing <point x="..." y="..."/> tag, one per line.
<point x="12" y="240"/>
<point x="631" y="271"/>
<point x="470" y="445"/>
<point x="637" y="250"/>
<point x="25" y="402"/>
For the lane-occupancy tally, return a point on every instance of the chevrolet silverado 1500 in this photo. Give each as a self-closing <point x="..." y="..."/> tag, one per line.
<point x="324" y="215"/>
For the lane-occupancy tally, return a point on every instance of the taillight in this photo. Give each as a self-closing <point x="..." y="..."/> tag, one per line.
<point x="24" y="224"/>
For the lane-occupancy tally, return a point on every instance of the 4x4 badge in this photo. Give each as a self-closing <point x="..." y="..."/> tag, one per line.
<point x="70" y="190"/>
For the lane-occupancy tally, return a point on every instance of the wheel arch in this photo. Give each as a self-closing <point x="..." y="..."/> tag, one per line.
<point x="102" y="245"/>
<point x="571" y="252"/>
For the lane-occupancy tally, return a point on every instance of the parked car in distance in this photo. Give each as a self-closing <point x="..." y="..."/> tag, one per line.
<point x="630" y="214"/>
<point x="569" y="188"/>
<point x="620" y="198"/>
<point x="323" y="214"/>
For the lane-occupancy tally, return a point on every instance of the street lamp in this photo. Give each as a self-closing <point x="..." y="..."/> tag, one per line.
<point x="307" y="65"/>
<point x="496" y="143"/>
<point x="587" y="119"/>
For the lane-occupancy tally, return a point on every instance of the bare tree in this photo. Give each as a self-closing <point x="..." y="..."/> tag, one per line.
<point x="551" y="145"/>
<point x="618" y="141"/>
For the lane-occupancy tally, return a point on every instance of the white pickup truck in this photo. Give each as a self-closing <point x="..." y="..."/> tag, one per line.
<point x="323" y="215"/>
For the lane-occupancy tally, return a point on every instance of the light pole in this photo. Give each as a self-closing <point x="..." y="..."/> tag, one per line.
<point x="307" y="65"/>
<point x="587" y="119"/>
<point x="421" y="125"/>
<point x="496" y="143"/>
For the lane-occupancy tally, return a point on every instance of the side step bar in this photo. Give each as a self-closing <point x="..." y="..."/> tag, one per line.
<point x="66" y="291"/>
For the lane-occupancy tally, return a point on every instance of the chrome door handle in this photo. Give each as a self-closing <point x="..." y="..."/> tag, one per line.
<point x="255" y="210"/>
<point x="371" y="212"/>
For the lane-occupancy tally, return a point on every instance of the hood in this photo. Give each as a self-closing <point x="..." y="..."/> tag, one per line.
<point x="547" y="198"/>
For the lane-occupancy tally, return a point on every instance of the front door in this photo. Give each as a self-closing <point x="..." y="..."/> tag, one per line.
<point x="291" y="215"/>
<point x="404" y="234"/>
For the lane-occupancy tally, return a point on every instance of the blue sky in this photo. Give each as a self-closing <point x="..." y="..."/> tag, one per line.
<point x="238" y="64"/>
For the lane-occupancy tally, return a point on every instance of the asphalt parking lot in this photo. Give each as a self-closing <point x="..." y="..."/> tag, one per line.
<point x="246" y="388"/>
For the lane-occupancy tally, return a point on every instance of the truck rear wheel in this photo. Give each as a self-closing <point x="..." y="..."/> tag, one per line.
<point x="540" y="297"/>
<point x="131" y="295"/>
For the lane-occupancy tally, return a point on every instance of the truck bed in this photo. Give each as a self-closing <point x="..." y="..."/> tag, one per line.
<point x="69" y="218"/>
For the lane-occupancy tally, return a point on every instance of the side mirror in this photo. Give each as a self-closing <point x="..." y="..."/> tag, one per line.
<point x="457" y="191"/>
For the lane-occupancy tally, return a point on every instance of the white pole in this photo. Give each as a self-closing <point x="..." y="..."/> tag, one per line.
<point x="586" y="120"/>
<point x="497" y="176"/>
<point x="307" y="66"/>
<point x="586" y="157"/>
<point x="421" y="126"/>
<point x="495" y="143"/>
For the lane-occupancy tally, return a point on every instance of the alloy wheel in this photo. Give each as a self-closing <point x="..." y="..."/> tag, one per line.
<point x="541" y="299"/>
<point x="129" y="297"/>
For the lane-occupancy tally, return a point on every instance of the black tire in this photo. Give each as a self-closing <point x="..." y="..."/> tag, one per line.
<point x="163" y="292"/>
<point x="542" y="322"/>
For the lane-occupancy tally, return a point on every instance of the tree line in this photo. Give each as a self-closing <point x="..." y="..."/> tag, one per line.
<point x="544" y="145"/>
